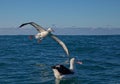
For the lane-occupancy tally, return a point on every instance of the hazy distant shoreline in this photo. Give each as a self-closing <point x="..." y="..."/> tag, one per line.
<point x="63" y="31"/>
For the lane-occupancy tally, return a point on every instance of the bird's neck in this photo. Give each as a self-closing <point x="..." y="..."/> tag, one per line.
<point x="72" y="67"/>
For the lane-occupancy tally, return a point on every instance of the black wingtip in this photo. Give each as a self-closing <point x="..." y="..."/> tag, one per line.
<point x="21" y="25"/>
<point x="24" y="24"/>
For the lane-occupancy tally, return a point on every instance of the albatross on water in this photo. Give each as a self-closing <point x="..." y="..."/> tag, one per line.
<point x="61" y="72"/>
<point x="42" y="33"/>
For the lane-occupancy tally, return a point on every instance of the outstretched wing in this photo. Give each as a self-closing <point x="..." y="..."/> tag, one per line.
<point x="38" y="27"/>
<point x="61" y="43"/>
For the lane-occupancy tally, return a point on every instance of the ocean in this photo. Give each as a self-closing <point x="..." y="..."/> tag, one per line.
<point x="24" y="61"/>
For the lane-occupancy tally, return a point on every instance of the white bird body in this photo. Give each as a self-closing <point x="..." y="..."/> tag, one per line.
<point x="42" y="33"/>
<point x="59" y="76"/>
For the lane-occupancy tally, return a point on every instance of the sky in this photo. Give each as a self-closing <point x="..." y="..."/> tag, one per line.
<point x="60" y="13"/>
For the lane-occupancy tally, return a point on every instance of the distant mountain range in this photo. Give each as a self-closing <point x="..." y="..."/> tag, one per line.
<point x="88" y="31"/>
<point x="63" y="31"/>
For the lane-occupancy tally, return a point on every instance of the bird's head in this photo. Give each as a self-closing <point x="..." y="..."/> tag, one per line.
<point x="50" y="30"/>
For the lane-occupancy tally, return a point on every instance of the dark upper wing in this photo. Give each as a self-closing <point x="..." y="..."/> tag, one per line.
<point x="63" y="70"/>
<point x="61" y="43"/>
<point x="38" y="27"/>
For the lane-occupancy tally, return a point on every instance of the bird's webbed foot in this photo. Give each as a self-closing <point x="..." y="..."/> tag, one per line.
<point x="39" y="41"/>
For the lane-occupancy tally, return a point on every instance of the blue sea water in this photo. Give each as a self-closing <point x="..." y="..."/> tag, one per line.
<point x="24" y="61"/>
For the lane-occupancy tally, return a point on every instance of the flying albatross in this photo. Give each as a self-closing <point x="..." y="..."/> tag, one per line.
<point x="42" y="33"/>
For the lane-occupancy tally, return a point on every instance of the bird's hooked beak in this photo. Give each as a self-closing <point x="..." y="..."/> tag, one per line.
<point x="79" y="62"/>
